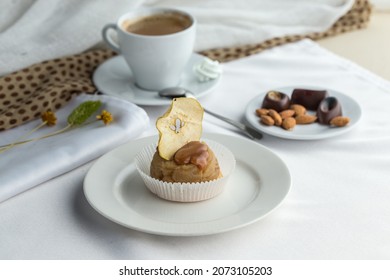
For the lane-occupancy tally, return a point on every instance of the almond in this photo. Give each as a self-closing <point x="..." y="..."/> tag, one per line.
<point x="267" y="120"/>
<point x="299" y="109"/>
<point x="287" y="113"/>
<point x="340" y="121"/>
<point x="289" y="123"/>
<point x="261" y="111"/>
<point x="305" y="119"/>
<point x="275" y="115"/>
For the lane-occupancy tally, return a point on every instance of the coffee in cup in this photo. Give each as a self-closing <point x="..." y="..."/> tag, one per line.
<point x="158" y="24"/>
<point x="156" y="43"/>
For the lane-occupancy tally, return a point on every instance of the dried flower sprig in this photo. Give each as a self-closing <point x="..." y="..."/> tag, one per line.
<point x="49" y="118"/>
<point x="106" y="117"/>
<point x="77" y="118"/>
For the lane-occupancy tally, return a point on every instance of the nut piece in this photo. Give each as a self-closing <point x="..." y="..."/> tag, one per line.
<point x="276" y="117"/>
<point x="274" y="95"/>
<point x="261" y="111"/>
<point x="287" y="113"/>
<point x="267" y="120"/>
<point x="299" y="109"/>
<point x="305" y="119"/>
<point x="289" y="123"/>
<point x="340" y="121"/>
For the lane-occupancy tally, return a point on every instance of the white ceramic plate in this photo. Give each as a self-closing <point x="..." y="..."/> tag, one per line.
<point x="258" y="185"/>
<point x="114" y="77"/>
<point x="315" y="131"/>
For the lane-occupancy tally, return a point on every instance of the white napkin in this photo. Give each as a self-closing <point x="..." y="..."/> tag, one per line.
<point x="28" y="165"/>
<point x="33" y="31"/>
<point x="232" y="23"/>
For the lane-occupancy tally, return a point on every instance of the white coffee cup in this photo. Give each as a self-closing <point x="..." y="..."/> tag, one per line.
<point x="159" y="54"/>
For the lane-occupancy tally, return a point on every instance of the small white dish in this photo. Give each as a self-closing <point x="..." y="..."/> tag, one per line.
<point x="314" y="131"/>
<point x="114" y="77"/>
<point x="259" y="183"/>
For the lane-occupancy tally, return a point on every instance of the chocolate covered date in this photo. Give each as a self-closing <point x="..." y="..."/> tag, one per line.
<point x="328" y="109"/>
<point x="276" y="100"/>
<point x="308" y="98"/>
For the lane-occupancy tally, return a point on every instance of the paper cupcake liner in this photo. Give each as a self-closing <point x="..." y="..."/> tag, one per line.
<point x="186" y="192"/>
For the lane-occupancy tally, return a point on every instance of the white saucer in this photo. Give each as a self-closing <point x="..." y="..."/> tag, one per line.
<point x="114" y="77"/>
<point x="259" y="183"/>
<point x="315" y="131"/>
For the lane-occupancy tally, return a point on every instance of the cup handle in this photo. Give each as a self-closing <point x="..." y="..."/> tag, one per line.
<point x="108" y="39"/>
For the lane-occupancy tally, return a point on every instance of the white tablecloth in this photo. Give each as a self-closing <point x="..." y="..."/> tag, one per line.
<point x="338" y="206"/>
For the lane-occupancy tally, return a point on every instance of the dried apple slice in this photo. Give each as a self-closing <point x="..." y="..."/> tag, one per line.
<point x="181" y="124"/>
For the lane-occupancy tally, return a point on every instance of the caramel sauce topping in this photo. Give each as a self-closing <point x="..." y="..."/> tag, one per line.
<point x="193" y="152"/>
